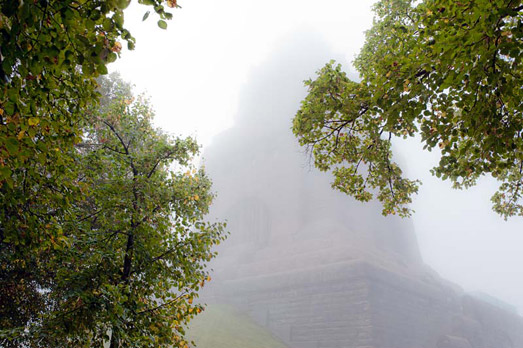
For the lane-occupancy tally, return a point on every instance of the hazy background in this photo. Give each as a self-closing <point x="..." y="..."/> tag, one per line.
<point x="195" y="71"/>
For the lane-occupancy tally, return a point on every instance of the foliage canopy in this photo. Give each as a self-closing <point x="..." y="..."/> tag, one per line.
<point x="51" y="52"/>
<point x="447" y="70"/>
<point x="97" y="235"/>
<point x="134" y="245"/>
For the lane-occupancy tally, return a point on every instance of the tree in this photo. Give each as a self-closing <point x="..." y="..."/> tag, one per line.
<point x="447" y="70"/>
<point x="51" y="52"/>
<point x="136" y="242"/>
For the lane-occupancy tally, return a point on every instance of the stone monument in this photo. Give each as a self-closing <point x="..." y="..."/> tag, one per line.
<point x="312" y="265"/>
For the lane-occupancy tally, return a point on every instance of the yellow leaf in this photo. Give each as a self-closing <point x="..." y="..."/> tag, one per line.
<point x="190" y="300"/>
<point x="21" y="135"/>
<point x="171" y="3"/>
<point x="208" y="278"/>
<point x="117" y="47"/>
<point x="33" y="121"/>
<point x="196" y="197"/>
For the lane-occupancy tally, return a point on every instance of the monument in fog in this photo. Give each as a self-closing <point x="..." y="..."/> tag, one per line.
<point x="312" y="265"/>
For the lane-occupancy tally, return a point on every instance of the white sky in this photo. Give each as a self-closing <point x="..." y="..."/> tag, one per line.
<point x="194" y="72"/>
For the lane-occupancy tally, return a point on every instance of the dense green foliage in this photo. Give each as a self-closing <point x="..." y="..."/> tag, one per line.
<point x="447" y="70"/>
<point x="96" y="235"/>
<point x="134" y="243"/>
<point x="50" y="54"/>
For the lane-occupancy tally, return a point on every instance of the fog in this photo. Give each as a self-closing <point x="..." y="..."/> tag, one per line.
<point x="303" y="258"/>
<point x="460" y="236"/>
<point x="257" y="165"/>
<point x="231" y="74"/>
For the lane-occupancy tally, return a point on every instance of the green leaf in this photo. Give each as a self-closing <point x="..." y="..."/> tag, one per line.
<point x="5" y="172"/>
<point x="102" y="69"/>
<point x="9" y="107"/>
<point x="123" y="4"/>
<point x="12" y="145"/>
<point x="111" y="57"/>
<point x="146" y="15"/>
<point x="162" y="24"/>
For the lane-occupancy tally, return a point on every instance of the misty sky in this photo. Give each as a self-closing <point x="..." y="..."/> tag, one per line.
<point x="195" y="71"/>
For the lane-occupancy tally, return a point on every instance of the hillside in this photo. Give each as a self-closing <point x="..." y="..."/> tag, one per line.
<point x="221" y="326"/>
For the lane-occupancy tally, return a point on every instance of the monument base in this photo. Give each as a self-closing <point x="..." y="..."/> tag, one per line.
<point x="356" y="304"/>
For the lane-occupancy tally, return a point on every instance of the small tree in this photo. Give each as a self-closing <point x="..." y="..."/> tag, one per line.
<point x="136" y="245"/>
<point x="447" y="70"/>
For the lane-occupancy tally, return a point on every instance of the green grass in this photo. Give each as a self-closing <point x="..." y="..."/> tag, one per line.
<point x="222" y="326"/>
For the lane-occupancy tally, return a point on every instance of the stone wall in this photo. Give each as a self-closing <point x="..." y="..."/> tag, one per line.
<point x="358" y="305"/>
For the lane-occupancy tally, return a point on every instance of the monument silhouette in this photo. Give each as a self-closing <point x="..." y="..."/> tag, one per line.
<point x="312" y="265"/>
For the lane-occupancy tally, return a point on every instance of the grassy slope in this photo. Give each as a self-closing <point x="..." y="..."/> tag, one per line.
<point x="221" y="326"/>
